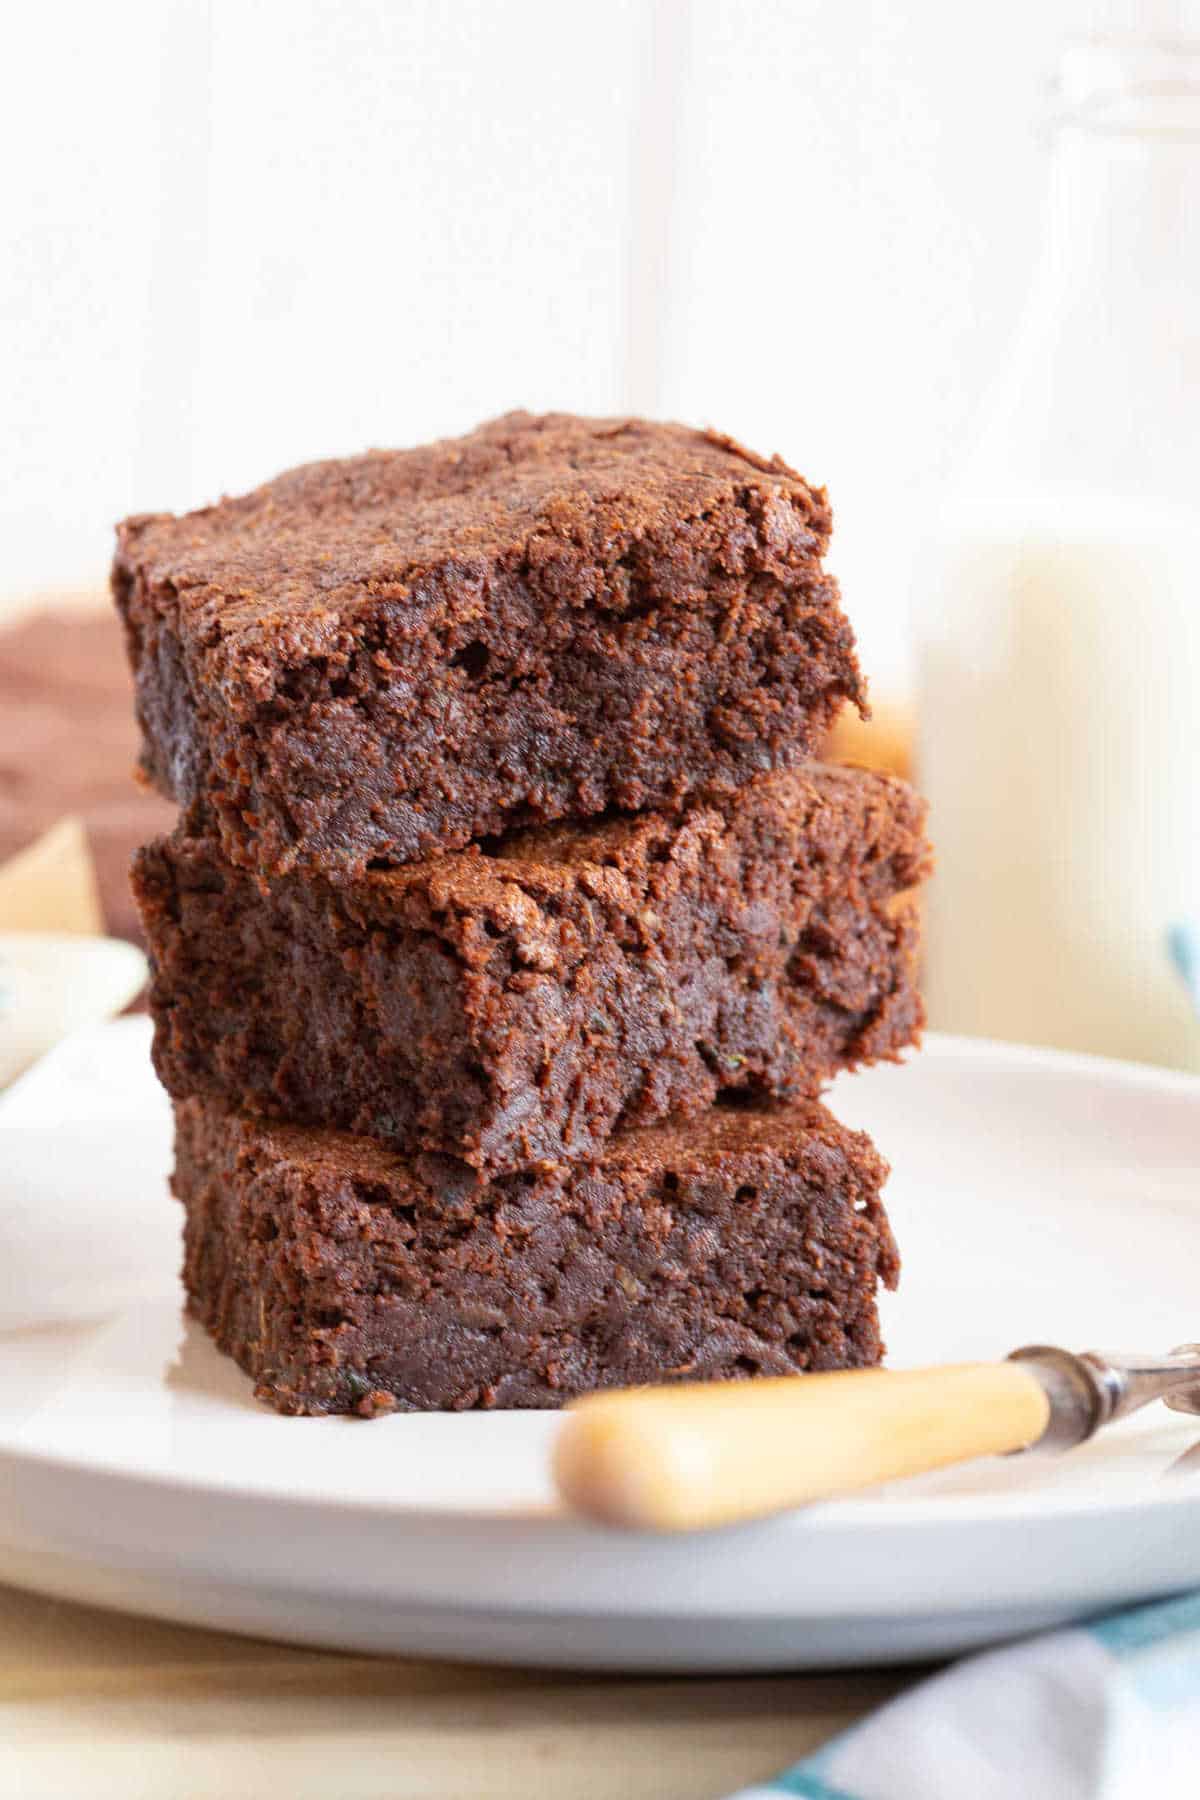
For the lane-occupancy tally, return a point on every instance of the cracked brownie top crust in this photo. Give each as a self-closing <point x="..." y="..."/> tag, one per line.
<point x="521" y="1006"/>
<point x="548" y="618"/>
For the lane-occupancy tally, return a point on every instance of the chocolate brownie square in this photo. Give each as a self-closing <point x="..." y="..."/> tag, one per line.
<point x="519" y="1007"/>
<point x="367" y="660"/>
<point x="343" y="1278"/>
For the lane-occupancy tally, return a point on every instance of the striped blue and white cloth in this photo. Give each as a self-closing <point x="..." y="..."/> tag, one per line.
<point x="1105" y="1711"/>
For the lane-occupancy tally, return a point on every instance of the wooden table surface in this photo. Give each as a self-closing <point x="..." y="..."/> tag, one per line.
<point x="96" y="1704"/>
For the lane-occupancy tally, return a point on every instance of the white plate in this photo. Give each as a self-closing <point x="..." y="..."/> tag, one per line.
<point x="1036" y="1197"/>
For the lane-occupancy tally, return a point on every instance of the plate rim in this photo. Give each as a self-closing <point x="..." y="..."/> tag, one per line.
<point x="862" y="1511"/>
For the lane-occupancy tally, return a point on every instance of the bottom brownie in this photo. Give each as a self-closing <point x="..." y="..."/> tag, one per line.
<point x="345" y="1278"/>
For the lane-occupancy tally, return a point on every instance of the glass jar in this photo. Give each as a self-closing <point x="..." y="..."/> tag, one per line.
<point x="1058" y="616"/>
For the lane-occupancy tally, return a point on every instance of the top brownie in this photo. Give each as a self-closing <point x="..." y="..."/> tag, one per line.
<point x="367" y="660"/>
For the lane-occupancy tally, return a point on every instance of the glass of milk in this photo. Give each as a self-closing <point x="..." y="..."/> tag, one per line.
<point x="1058" y="609"/>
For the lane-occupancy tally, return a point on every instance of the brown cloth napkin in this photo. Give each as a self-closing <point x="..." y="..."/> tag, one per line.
<point x="68" y="745"/>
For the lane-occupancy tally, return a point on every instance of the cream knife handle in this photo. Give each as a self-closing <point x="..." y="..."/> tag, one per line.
<point x="685" y="1457"/>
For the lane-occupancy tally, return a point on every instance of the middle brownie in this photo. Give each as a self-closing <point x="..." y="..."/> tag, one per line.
<point x="514" y="1004"/>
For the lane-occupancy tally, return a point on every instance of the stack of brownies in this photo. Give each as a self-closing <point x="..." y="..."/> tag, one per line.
<point x="509" y="931"/>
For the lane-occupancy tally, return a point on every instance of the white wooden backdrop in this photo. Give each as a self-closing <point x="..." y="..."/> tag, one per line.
<point x="240" y="233"/>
